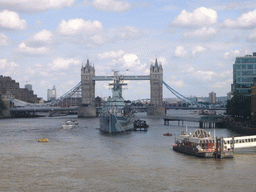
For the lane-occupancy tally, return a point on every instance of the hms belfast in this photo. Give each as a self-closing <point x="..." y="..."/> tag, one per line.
<point x="116" y="117"/>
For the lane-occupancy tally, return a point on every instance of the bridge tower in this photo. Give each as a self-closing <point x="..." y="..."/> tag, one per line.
<point x="156" y="84"/>
<point x="88" y="84"/>
<point x="88" y="91"/>
<point x="156" y="91"/>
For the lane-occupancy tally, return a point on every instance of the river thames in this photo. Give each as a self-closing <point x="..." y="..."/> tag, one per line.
<point x="84" y="159"/>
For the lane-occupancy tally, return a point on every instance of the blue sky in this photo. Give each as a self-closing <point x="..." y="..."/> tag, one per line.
<point x="45" y="42"/>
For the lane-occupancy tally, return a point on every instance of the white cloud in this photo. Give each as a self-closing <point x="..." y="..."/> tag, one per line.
<point x="237" y="6"/>
<point x="35" y="5"/>
<point x="252" y="36"/>
<point x="61" y="63"/>
<point x="202" y="33"/>
<point x="4" y="40"/>
<point x="225" y="74"/>
<point x="198" y="49"/>
<point x="129" y="32"/>
<point x="246" y="21"/>
<point x="91" y="34"/>
<point x="44" y="36"/>
<point x="96" y="40"/>
<point x="37" y="44"/>
<point x="178" y="83"/>
<point x="23" y="48"/>
<point x="128" y="61"/>
<point x="79" y="26"/>
<point x="45" y="83"/>
<point x="200" y="17"/>
<point x="111" y="5"/>
<point x="180" y="51"/>
<point x="236" y="53"/>
<point x="38" y="23"/>
<point x="205" y="75"/>
<point x="11" y="20"/>
<point x="188" y="69"/>
<point x="38" y="70"/>
<point x="7" y="65"/>
<point x="170" y="7"/>
<point x="223" y="84"/>
<point x="131" y="60"/>
<point x="110" y="55"/>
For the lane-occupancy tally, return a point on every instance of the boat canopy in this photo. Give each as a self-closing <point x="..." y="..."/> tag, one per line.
<point x="198" y="136"/>
<point x="201" y="136"/>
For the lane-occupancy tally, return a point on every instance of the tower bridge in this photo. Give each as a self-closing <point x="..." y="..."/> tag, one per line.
<point x="88" y="79"/>
<point x="86" y="91"/>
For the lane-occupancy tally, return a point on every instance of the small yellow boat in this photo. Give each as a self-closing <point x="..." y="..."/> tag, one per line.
<point x="43" y="140"/>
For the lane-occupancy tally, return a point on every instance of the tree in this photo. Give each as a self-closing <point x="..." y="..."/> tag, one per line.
<point x="239" y="106"/>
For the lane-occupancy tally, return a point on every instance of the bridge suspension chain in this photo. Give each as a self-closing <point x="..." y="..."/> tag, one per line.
<point x="180" y="96"/>
<point x="66" y="95"/>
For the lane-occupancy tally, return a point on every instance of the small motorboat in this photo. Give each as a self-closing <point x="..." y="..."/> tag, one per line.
<point x="43" y="140"/>
<point x="167" y="134"/>
<point x="70" y="124"/>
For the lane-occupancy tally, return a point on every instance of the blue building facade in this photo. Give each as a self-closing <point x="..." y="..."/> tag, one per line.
<point x="244" y="71"/>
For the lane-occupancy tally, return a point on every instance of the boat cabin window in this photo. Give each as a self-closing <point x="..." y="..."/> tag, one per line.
<point x="240" y="141"/>
<point x="236" y="141"/>
<point x="254" y="139"/>
<point x="246" y="140"/>
<point x="251" y="139"/>
<point x="228" y="142"/>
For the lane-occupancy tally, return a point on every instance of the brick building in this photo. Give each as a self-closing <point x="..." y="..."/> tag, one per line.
<point x="11" y="86"/>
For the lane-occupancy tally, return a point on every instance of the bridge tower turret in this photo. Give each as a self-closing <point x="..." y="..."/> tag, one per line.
<point x="88" y="84"/>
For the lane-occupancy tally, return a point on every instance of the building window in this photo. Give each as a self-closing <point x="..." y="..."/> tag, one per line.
<point x="250" y="66"/>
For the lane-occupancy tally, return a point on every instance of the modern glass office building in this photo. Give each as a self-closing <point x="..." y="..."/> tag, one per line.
<point x="244" y="71"/>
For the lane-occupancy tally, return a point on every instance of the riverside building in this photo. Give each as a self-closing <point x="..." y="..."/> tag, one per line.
<point x="244" y="71"/>
<point x="8" y="85"/>
<point x="51" y="94"/>
<point x="212" y="98"/>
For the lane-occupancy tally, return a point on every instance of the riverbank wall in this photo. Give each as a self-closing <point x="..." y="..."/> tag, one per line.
<point x="239" y="127"/>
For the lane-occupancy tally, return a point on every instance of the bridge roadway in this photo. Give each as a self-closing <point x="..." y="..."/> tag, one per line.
<point x="43" y="109"/>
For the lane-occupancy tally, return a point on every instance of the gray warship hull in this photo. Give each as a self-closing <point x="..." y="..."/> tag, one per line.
<point x="116" y="124"/>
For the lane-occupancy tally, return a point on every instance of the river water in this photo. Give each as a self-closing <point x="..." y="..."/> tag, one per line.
<point x="84" y="159"/>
